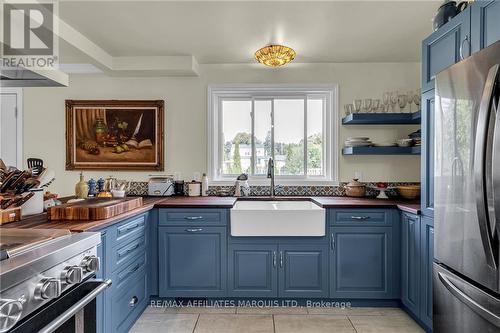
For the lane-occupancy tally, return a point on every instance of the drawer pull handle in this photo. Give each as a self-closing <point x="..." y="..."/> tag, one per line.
<point x="281" y="259"/>
<point x="127" y="251"/>
<point x="360" y="218"/>
<point x="274" y="259"/>
<point x="127" y="229"/>
<point x="191" y="218"/>
<point x="194" y="230"/>
<point x="133" y="301"/>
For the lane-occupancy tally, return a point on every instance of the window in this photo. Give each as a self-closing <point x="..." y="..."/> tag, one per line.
<point x="294" y="126"/>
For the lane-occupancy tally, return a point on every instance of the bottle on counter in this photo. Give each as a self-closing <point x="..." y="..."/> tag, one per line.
<point x="81" y="188"/>
<point x="204" y="185"/>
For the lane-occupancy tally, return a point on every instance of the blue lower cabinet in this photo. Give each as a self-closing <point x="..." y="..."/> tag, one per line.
<point x="410" y="263"/>
<point x="192" y="261"/>
<point x="252" y="270"/>
<point x="427" y="251"/>
<point x="362" y="263"/>
<point x="303" y="270"/>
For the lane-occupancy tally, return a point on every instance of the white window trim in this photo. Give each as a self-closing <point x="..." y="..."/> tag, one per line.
<point x="331" y="128"/>
<point x="19" y="122"/>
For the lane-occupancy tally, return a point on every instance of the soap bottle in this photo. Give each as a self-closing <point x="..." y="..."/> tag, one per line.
<point x="204" y="185"/>
<point x="81" y="188"/>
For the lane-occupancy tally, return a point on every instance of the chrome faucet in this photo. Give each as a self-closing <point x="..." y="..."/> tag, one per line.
<point x="270" y="174"/>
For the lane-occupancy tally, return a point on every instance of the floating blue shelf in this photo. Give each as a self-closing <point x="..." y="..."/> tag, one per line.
<point x="381" y="151"/>
<point x="382" y="118"/>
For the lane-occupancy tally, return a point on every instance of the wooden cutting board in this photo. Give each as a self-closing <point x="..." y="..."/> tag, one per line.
<point x="94" y="209"/>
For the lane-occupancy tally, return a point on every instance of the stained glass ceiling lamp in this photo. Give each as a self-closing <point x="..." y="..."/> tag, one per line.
<point x="275" y="55"/>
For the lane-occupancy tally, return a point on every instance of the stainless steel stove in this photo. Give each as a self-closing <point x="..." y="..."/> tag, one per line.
<point x="46" y="278"/>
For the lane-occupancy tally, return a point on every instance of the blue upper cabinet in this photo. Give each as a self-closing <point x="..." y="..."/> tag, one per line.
<point x="362" y="263"/>
<point x="192" y="261"/>
<point x="485" y="26"/>
<point x="427" y="157"/>
<point x="445" y="47"/>
<point x="303" y="270"/>
<point x="253" y="270"/>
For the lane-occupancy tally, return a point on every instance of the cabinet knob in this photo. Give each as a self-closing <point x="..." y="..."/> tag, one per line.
<point x="133" y="301"/>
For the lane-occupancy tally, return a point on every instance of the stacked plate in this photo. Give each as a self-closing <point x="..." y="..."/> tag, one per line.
<point x="358" y="142"/>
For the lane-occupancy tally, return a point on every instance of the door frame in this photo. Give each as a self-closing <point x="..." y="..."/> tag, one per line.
<point x="19" y="122"/>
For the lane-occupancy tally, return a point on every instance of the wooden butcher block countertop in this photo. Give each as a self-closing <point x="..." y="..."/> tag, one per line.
<point x="40" y="220"/>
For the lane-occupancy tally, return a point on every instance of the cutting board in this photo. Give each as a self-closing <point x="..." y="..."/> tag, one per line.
<point x="93" y="209"/>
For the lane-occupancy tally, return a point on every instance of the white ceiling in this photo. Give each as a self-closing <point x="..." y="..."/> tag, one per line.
<point x="231" y="31"/>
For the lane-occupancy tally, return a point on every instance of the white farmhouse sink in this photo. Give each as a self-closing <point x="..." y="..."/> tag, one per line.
<point x="277" y="218"/>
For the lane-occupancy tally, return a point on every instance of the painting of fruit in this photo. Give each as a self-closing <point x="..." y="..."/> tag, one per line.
<point x="114" y="135"/>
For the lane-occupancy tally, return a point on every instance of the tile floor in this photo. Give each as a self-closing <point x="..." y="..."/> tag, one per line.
<point x="274" y="320"/>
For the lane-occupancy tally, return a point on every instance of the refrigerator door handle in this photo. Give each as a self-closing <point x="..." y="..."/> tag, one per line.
<point x="495" y="170"/>
<point x="479" y="164"/>
<point x="469" y="301"/>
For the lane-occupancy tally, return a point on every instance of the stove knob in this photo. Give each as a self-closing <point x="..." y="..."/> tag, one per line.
<point x="10" y="312"/>
<point x="48" y="288"/>
<point x="90" y="264"/>
<point x="72" y="274"/>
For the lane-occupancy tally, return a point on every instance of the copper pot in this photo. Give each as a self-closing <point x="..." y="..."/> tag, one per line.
<point x="355" y="189"/>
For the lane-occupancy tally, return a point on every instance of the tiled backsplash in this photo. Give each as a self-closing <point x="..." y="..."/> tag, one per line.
<point x="141" y="188"/>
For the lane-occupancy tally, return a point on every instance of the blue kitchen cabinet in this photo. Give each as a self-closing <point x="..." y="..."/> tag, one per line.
<point x="124" y="259"/>
<point x="362" y="263"/>
<point x="192" y="261"/>
<point x="427" y="157"/>
<point x="426" y="259"/>
<point x="485" y="23"/>
<point x="445" y="47"/>
<point x="253" y="270"/>
<point x="303" y="270"/>
<point x="410" y="263"/>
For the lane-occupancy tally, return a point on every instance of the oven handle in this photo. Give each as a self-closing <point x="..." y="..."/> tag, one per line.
<point x="56" y="323"/>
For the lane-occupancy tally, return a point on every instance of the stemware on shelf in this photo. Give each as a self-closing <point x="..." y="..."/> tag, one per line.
<point x="402" y="100"/>
<point x="367" y="105"/>
<point x="410" y="95"/>
<point x="375" y="105"/>
<point x="394" y="100"/>
<point x="386" y="99"/>
<point x="349" y="108"/>
<point x="357" y="105"/>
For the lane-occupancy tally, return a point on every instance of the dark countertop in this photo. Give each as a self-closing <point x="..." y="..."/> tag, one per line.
<point x="40" y="221"/>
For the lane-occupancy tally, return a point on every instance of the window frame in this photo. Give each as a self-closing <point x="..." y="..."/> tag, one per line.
<point x="217" y="93"/>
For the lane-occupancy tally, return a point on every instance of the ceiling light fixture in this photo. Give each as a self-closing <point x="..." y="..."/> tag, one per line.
<point x="275" y="55"/>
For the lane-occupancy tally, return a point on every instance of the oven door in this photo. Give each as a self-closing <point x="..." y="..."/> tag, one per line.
<point x="74" y="311"/>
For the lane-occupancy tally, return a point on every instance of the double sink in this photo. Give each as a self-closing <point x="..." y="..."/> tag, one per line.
<point x="291" y="218"/>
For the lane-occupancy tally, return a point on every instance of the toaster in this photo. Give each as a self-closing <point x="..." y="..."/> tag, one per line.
<point x="161" y="186"/>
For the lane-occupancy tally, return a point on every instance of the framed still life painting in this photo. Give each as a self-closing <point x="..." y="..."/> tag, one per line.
<point x="114" y="135"/>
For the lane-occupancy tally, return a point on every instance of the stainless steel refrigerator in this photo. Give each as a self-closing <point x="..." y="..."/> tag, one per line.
<point x="466" y="272"/>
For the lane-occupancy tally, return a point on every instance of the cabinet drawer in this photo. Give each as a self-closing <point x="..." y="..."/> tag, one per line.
<point x="192" y="216"/>
<point x="127" y="301"/>
<point x="135" y="226"/>
<point x="122" y="254"/>
<point x="367" y="217"/>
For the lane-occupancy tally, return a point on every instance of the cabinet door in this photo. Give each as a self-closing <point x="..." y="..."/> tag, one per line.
<point x="410" y="265"/>
<point x="192" y="261"/>
<point x="485" y="24"/>
<point x="362" y="265"/>
<point x="253" y="270"/>
<point x="427" y="157"/>
<point x="426" y="259"/>
<point x="303" y="270"/>
<point x="446" y="46"/>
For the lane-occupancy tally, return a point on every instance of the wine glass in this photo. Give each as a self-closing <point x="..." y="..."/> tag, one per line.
<point x="367" y="105"/>
<point x="394" y="100"/>
<point x="375" y="105"/>
<point x="402" y="100"/>
<point x="410" y="95"/>
<point x="386" y="98"/>
<point x="357" y="105"/>
<point x="416" y="99"/>
<point x="348" y="109"/>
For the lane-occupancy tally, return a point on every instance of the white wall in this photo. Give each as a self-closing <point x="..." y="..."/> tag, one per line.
<point x="186" y="102"/>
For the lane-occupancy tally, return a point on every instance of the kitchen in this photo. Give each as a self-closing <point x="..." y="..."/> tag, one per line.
<point x="272" y="166"/>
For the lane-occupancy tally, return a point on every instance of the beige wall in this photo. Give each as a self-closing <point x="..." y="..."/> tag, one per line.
<point x="186" y="103"/>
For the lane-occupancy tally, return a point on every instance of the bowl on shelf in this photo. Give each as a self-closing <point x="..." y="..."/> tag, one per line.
<point x="409" y="192"/>
<point x="405" y="142"/>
